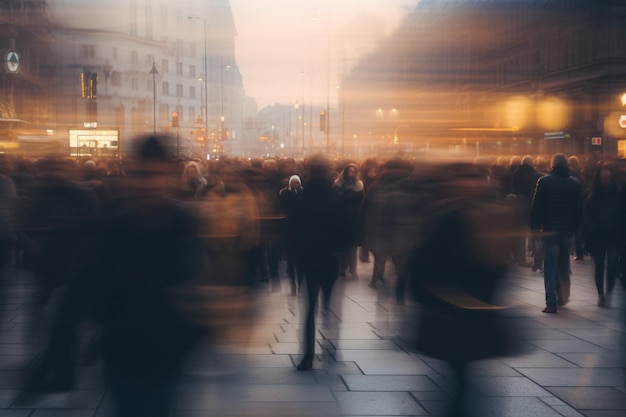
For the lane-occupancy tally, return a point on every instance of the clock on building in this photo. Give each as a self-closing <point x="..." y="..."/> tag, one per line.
<point x="12" y="61"/>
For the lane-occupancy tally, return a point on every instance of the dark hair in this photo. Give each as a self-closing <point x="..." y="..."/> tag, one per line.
<point x="152" y="148"/>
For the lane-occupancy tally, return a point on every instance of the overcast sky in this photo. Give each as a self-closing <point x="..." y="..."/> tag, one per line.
<point x="296" y="50"/>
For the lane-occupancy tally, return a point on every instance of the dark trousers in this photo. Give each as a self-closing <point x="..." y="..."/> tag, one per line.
<point x="318" y="276"/>
<point x="605" y="255"/>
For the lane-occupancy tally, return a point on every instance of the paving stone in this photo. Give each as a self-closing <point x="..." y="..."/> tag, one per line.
<point x="574" y="377"/>
<point x="73" y="399"/>
<point x="379" y="403"/>
<point x="389" y="383"/>
<point x="591" y="398"/>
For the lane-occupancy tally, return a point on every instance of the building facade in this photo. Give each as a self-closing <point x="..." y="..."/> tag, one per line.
<point x="143" y="66"/>
<point x="496" y="76"/>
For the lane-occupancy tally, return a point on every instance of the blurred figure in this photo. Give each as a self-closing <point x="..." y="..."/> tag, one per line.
<point x="455" y="271"/>
<point x="576" y="171"/>
<point x="381" y="211"/>
<point x="621" y="233"/>
<point x="322" y="234"/>
<point x="519" y="205"/>
<point x="351" y="190"/>
<point x="370" y="170"/>
<point x="523" y="186"/>
<point x="557" y="211"/>
<point x="601" y="217"/>
<point x="229" y="229"/>
<point x="266" y="188"/>
<point x="8" y="225"/>
<point x="289" y="197"/>
<point x="57" y="216"/>
<point x="192" y="182"/>
<point x="143" y="250"/>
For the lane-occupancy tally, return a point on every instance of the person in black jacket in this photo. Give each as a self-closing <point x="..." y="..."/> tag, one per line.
<point x="557" y="211"/>
<point x="601" y="218"/>
<point x="322" y="233"/>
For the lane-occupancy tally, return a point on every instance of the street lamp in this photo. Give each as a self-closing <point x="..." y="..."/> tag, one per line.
<point x="154" y="73"/>
<point x="206" y="94"/>
<point x="395" y="134"/>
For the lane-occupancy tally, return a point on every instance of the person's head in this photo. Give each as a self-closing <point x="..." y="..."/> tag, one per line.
<point x="295" y="183"/>
<point x="350" y="172"/>
<point x="604" y="177"/>
<point x="559" y="161"/>
<point x="153" y="168"/>
<point x="527" y="160"/>
<point x="319" y="170"/>
<point x="573" y="162"/>
<point x="515" y="161"/>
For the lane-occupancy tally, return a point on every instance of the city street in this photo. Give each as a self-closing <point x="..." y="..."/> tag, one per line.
<point x="364" y="365"/>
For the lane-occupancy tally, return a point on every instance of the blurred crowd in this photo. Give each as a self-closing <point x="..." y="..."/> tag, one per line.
<point x="162" y="252"/>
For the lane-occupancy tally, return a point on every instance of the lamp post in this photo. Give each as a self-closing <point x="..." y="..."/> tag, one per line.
<point x="296" y="106"/>
<point x="221" y="127"/>
<point x="303" y="108"/>
<point x="154" y="73"/>
<point x="206" y="94"/>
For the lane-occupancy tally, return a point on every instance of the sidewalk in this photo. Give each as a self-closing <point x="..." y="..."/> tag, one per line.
<point x="362" y="366"/>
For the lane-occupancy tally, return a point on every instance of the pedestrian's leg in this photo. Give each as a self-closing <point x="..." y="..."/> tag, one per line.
<point x="565" y="243"/>
<point x="612" y="266"/>
<point x="352" y="261"/>
<point x="599" y="255"/>
<point x="313" y="287"/>
<point x="549" y="272"/>
<point x="380" y="258"/>
<point x="364" y="254"/>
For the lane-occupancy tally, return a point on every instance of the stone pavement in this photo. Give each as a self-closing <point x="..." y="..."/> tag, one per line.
<point x="363" y="367"/>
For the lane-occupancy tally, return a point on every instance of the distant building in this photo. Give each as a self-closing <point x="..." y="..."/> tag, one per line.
<point x="496" y="76"/>
<point x="113" y="44"/>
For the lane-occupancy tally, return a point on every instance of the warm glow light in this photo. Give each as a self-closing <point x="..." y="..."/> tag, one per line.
<point x="624" y="99"/>
<point x="517" y="112"/>
<point x="553" y="114"/>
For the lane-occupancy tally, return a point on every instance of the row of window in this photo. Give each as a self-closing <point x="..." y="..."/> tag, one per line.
<point x="86" y="51"/>
<point x="165" y="114"/>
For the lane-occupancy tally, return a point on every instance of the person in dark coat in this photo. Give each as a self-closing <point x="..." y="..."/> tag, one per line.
<point x="321" y="223"/>
<point x="557" y="211"/>
<point x="289" y="197"/>
<point x="601" y="219"/>
<point x="523" y="186"/>
<point x="142" y="253"/>
<point x="455" y="271"/>
<point x="351" y="190"/>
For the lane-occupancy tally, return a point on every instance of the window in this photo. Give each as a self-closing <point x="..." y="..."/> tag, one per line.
<point x="165" y="88"/>
<point x="179" y="90"/>
<point x="116" y="79"/>
<point x="179" y="68"/>
<point x="192" y="92"/>
<point x="192" y="70"/>
<point x="149" y="59"/>
<point x="134" y="84"/>
<point x="165" y="66"/>
<point x="164" y="111"/>
<point x="192" y="114"/>
<point x="87" y="51"/>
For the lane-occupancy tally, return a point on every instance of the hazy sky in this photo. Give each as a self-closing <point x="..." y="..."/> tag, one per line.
<point x="294" y="50"/>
